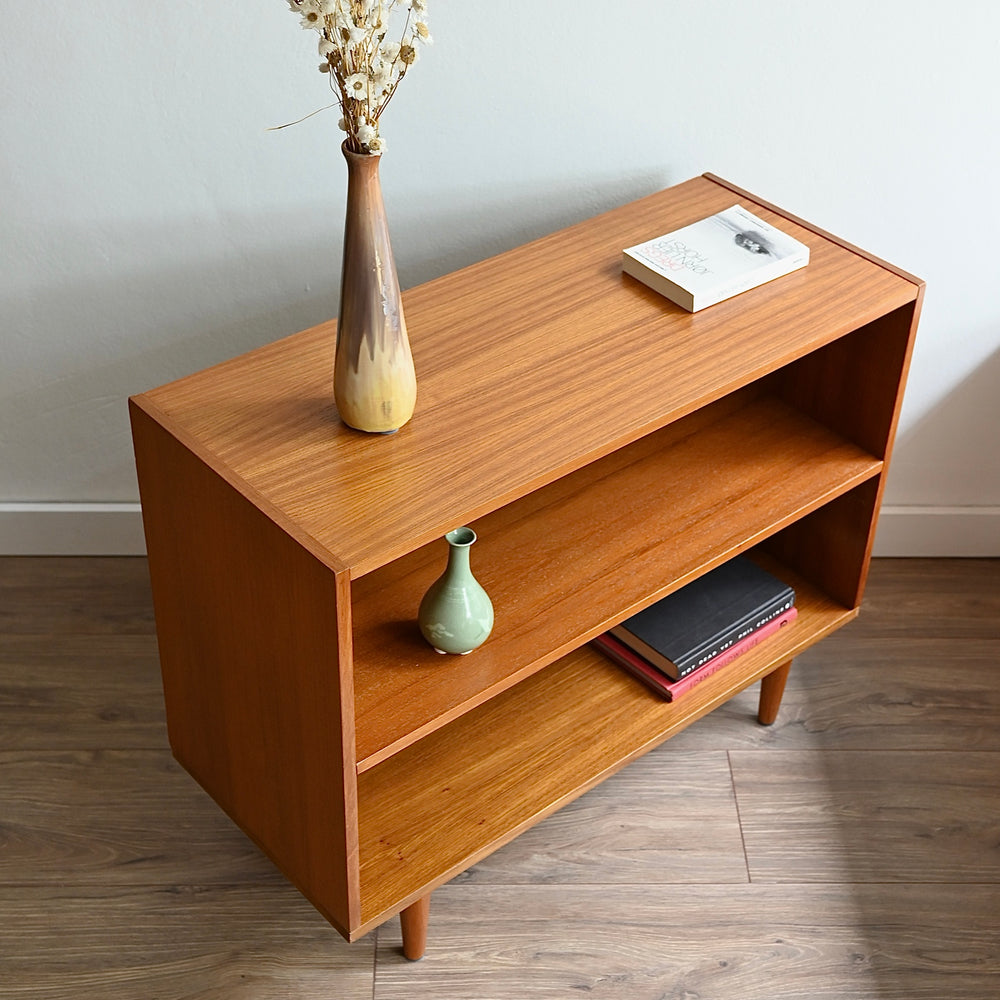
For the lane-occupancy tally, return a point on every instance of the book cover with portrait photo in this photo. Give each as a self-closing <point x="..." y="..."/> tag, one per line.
<point x="715" y="258"/>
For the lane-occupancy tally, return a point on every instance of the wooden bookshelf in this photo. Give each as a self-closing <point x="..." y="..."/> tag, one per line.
<point x="606" y="446"/>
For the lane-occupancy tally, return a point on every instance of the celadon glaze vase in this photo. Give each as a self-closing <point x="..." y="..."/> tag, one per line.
<point x="374" y="382"/>
<point x="456" y="614"/>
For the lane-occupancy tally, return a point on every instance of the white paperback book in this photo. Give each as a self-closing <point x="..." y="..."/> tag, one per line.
<point x="715" y="258"/>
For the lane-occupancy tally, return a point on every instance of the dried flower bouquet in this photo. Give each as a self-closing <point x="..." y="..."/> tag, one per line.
<point x="364" y="58"/>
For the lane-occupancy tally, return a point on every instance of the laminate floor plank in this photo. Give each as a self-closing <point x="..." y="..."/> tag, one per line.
<point x="870" y="816"/>
<point x="112" y="817"/>
<point x="56" y="595"/>
<point x="174" y="943"/>
<point x="749" y="942"/>
<point x="863" y="692"/>
<point x="669" y="817"/>
<point x="954" y="598"/>
<point x="893" y="694"/>
<point x="81" y="692"/>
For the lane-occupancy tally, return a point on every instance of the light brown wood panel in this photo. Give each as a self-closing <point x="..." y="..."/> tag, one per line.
<point x="747" y="942"/>
<point x="869" y="816"/>
<point x="57" y="595"/>
<point x="80" y="691"/>
<point x="114" y="817"/>
<point x="669" y="817"/>
<point x="557" y="327"/>
<point x="432" y="810"/>
<point x="252" y="631"/>
<point x="174" y="942"/>
<point x="674" y="504"/>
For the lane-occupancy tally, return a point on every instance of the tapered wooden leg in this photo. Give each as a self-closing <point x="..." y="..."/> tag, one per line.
<point x="414" y="920"/>
<point x="772" y="687"/>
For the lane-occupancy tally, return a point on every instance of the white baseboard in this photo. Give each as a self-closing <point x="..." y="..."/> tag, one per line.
<point x="115" y="529"/>
<point x="938" y="531"/>
<point x="71" y="529"/>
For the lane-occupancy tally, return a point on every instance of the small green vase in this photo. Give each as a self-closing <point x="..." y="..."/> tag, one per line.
<point x="456" y="614"/>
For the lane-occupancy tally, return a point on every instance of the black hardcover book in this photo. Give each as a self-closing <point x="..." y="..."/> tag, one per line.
<point x="687" y="628"/>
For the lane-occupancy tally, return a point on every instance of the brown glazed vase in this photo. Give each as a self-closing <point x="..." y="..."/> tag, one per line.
<point x="374" y="383"/>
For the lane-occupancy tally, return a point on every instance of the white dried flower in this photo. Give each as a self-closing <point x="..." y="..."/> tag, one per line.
<point x="356" y="86"/>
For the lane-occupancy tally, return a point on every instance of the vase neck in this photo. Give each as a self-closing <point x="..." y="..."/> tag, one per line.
<point x="362" y="170"/>
<point x="458" y="560"/>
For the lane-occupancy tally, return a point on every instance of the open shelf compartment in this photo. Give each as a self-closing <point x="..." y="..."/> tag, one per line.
<point x="573" y="559"/>
<point x="439" y="806"/>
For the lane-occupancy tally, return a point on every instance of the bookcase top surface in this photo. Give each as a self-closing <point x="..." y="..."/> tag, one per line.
<point x="530" y="364"/>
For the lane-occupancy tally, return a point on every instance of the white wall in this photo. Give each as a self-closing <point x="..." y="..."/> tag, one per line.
<point x="152" y="225"/>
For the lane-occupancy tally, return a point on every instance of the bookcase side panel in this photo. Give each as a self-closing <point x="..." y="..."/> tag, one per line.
<point x="254" y="639"/>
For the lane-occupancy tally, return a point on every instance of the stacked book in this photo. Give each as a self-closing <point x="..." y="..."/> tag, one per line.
<point x="690" y="634"/>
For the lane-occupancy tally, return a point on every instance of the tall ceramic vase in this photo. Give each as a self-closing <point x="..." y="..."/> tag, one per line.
<point x="456" y="614"/>
<point x="374" y="383"/>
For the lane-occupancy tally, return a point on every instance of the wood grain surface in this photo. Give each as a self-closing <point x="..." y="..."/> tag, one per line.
<point x="249" y="941"/>
<point x="667" y="818"/>
<point x="120" y="879"/>
<point x="254" y="635"/>
<point x="73" y="693"/>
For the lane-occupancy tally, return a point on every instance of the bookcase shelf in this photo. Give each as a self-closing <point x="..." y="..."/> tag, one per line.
<point x="606" y="446"/>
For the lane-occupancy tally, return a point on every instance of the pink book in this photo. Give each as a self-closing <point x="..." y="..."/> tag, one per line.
<point x="671" y="689"/>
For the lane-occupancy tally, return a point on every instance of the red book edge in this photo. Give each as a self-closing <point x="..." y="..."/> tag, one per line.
<point x="669" y="689"/>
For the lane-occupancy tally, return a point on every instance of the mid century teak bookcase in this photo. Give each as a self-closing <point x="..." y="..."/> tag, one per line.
<point x="606" y="446"/>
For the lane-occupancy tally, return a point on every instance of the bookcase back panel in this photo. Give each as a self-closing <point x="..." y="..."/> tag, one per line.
<point x="831" y="547"/>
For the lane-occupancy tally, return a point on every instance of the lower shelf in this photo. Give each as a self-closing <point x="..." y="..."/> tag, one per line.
<point x="437" y="807"/>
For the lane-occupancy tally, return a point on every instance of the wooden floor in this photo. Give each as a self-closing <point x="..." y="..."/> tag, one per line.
<point x="850" y="851"/>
